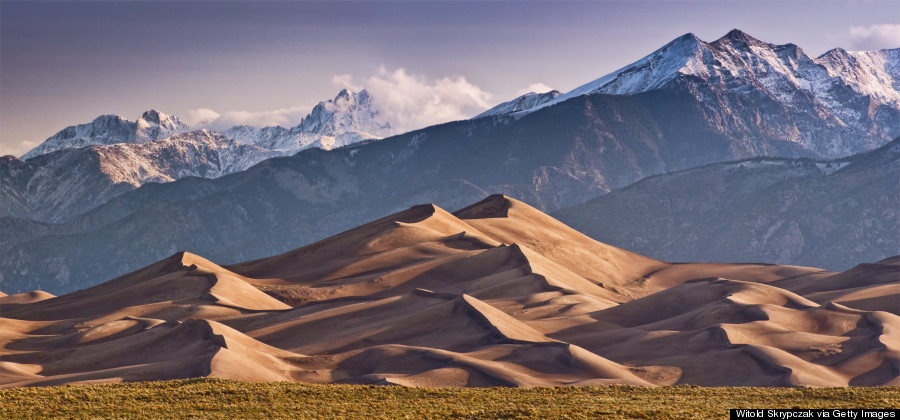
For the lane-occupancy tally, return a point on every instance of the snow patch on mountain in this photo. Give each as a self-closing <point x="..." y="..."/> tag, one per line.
<point x="347" y="119"/>
<point x="153" y="125"/>
<point x="737" y="60"/>
<point x="111" y="129"/>
<point x="651" y="72"/>
<point x="105" y="129"/>
<point x="57" y="186"/>
<point x="201" y="153"/>
<point x="526" y="101"/>
<point x="856" y="94"/>
<point x="85" y="165"/>
<point x="274" y="138"/>
<point x="872" y="73"/>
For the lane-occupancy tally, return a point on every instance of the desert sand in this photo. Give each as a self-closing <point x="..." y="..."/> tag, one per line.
<point x="495" y="294"/>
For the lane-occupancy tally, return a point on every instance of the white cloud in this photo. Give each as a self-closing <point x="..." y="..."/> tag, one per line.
<point x="345" y="81"/>
<point x="411" y="101"/>
<point x="285" y="117"/>
<point x="875" y="37"/>
<point x="406" y="100"/>
<point x="201" y="117"/>
<point x="536" y="88"/>
<point x="17" y="149"/>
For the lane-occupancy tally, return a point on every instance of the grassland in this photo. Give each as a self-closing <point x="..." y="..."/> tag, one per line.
<point x="212" y="398"/>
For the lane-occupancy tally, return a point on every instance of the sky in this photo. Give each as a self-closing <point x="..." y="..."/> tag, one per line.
<point x="219" y="63"/>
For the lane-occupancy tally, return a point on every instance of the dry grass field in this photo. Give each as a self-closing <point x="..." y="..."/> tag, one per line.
<point x="216" y="398"/>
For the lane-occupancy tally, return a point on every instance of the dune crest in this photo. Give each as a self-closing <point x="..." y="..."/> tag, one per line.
<point x="27" y="297"/>
<point x="494" y="294"/>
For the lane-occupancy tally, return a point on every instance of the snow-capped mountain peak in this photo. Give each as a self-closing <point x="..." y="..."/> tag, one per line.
<point x="349" y="118"/>
<point x="153" y="125"/>
<point x="105" y="129"/>
<point x="681" y="56"/>
<point x="111" y="129"/>
<point x="108" y="120"/>
<point x="737" y="36"/>
<point x="87" y="164"/>
<point x="740" y="59"/>
<point x="348" y="111"/>
<point x="856" y="93"/>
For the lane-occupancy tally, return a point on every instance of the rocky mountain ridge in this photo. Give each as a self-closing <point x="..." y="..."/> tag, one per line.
<point x="527" y="101"/>
<point x="111" y="129"/>
<point x="840" y="103"/>
<point x="77" y="180"/>
<point x="350" y="117"/>
<point x="83" y="166"/>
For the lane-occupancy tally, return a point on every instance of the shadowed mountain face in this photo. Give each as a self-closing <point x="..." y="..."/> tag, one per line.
<point x="495" y="294"/>
<point x="555" y="157"/>
<point x="829" y="214"/>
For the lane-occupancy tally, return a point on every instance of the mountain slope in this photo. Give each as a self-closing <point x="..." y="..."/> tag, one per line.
<point x="832" y="106"/>
<point x="828" y="214"/>
<point x="57" y="186"/>
<point x="527" y="101"/>
<point x="496" y="294"/>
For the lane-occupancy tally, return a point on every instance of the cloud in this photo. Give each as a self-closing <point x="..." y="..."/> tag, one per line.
<point x="875" y="37"/>
<point x="412" y="101"/>
<point x="536" y="88"/>
<point x="345" y="81"/>
<point x="208" y="118"/>
<point x="406" y="100"/>
<point x="201" y="117"/>
<point x="17" y="149"/>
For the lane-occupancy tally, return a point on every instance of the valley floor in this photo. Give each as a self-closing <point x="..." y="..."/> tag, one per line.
<point x="217" y="398"/>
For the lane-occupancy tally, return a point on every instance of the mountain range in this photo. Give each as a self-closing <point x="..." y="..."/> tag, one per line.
<point x="77" y="180"/>
<point x="349" y="118"/>
<point x="111" y="129"/>
<point x="840" y="103"/>
<point x="552" y="150"/>
<point x="86" y="165"/>
<point x="494" y="294"/>
<point x="829" y="214"/>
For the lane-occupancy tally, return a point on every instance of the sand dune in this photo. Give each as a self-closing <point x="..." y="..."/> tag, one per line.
<point x="510" y="221"/>
<point x="180" y="287"/>
<point x="495" y="294"/>
<point x="27" y="297"/>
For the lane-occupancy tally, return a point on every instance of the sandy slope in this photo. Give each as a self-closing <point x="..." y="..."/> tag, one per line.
<point x="495" y="294"/>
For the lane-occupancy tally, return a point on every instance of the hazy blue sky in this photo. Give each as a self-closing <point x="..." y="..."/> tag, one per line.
<point x="63" y="63"/>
